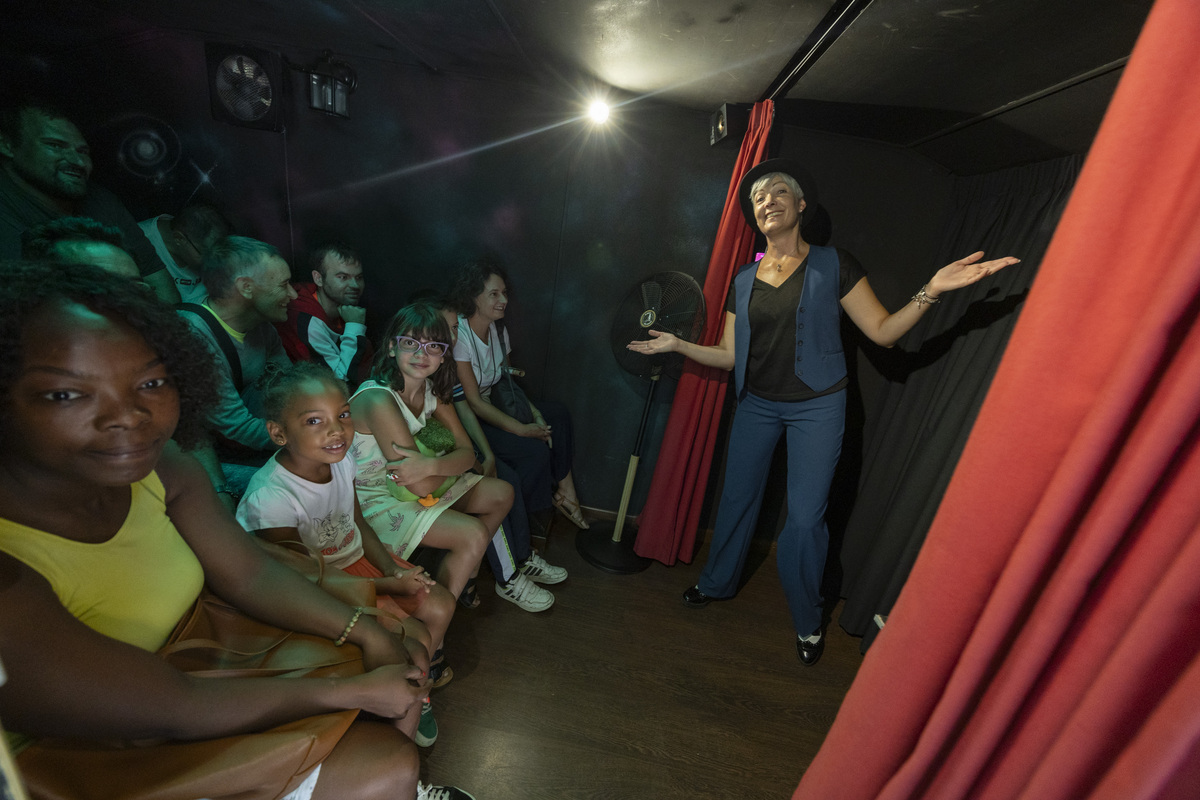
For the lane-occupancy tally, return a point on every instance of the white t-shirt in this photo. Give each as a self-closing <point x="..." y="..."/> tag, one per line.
<point x="323" y="513"/>
<point x="486" y="360"/>
<point x="190" y="287"/>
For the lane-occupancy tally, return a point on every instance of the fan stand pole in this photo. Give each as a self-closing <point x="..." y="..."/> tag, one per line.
<point x="601" y="546"/>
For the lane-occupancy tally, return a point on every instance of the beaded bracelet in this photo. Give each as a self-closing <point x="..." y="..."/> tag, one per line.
<point x="922" y="297"/>
<point x="341" y="640"/>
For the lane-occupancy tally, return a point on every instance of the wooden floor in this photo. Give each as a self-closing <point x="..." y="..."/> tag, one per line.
<point x="621" y="692"/>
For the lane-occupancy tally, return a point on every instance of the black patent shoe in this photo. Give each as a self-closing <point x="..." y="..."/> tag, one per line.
<point x="810" y="652"/>
<point x="694" y="598"/>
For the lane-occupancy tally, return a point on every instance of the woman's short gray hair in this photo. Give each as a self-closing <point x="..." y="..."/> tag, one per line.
<point x="771" y="177"/>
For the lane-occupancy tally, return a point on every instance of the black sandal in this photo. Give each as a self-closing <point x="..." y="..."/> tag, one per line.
<point x="469" y="598"/>
<point x="440" y="673"/>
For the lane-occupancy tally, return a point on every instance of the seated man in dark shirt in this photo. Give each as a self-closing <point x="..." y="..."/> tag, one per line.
<point x="45" y="169"/>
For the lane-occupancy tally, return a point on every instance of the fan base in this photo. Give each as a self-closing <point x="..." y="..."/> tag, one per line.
<point x="598" y="549"/>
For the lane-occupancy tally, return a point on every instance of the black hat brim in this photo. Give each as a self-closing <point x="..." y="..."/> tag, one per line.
<point x="788" y="167"/>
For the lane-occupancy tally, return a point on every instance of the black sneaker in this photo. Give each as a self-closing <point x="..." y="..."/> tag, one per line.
<point x="441" y="793"/>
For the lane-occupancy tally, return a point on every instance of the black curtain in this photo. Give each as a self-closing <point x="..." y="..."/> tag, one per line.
<point x="936" y="379"/>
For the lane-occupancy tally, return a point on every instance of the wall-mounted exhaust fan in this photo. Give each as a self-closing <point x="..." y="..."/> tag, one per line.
<point x="245" y="86"/>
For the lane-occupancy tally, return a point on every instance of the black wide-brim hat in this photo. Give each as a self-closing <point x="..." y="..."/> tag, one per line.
<point x="788" y="167"/>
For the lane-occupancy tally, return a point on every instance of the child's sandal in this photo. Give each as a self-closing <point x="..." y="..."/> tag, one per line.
<point x="440" y="673"/>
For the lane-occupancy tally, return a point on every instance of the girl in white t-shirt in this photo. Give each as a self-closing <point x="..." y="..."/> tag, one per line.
<point x="305" y="493"/>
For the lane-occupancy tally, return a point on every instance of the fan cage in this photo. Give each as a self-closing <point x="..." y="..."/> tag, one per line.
<point x="671" y="302"/>
<point x="244" y="87"/>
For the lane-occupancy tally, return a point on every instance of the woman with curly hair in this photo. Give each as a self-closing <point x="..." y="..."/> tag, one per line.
<point x="107" y="536"/>
<point x="541" y="450"/>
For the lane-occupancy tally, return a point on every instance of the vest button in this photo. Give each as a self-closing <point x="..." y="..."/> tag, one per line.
<point x="801" y="309"/>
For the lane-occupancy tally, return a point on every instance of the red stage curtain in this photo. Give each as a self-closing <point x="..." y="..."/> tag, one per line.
<point x="668" y="522"/>
<point x="1046" y="644"/>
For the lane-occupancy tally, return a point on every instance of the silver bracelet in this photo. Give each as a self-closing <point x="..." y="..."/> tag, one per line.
<point x="922" y="297"/>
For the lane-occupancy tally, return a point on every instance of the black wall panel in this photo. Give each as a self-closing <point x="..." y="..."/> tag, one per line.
<point x="434" y="168"/>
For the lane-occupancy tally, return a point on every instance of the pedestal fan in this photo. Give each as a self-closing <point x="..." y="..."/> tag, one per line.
<point x="667" y="301"/>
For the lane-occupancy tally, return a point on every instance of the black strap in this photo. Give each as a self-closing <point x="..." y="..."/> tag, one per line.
<point x="224" y="340"/>
<point x="303" y="321"/>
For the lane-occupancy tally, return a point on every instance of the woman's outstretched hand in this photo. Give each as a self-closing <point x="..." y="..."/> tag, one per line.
<point x="660" y="342"/>
<point x="966" y="271"/>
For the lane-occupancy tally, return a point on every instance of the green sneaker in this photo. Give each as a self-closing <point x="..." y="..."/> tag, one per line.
<point x="427" y="729"/>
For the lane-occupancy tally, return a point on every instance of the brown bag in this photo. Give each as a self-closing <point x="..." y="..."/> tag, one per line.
<point x="216" y="640"/>
<point x="259" y="766"/>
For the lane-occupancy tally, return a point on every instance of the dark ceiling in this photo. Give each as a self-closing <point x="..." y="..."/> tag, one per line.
<point x="972" y="84"/>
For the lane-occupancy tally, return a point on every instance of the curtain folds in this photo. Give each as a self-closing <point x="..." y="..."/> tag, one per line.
<point x="668" y="522"/>
<point x="938" y="377"/>
<point x="1047" y="643"/>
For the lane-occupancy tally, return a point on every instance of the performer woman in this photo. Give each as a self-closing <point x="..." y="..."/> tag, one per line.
<point x="782" y="341"/>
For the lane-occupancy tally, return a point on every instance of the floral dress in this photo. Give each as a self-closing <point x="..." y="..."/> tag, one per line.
<point x="398" y="517"/>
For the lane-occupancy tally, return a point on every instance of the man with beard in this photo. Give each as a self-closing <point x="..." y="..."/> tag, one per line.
<point x="45" y="167"/>
<point x="325" y="322"/>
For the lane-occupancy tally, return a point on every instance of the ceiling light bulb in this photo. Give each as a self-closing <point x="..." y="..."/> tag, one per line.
<point x="598" y="111"/>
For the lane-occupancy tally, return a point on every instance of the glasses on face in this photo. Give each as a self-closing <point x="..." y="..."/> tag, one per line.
<point x="407" y="344"/>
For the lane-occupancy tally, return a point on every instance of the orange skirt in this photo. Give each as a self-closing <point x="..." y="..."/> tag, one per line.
<point x="402" y="606"/>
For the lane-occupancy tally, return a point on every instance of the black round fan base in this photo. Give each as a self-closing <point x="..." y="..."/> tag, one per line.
<point x="598" y="549"/>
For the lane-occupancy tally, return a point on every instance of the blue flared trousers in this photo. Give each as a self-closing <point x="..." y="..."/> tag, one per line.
<point x="814" y="443"/>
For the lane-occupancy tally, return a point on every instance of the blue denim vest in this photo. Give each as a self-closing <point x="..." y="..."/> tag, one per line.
<point x="820" y="362"/>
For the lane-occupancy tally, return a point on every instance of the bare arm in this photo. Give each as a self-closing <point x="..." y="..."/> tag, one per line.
<point x="241" y="573"/>
<point x="470" y="423"/>
<point x="373" y="550"/>
<point x="719" y="355"/>
<point x="67" y="680"/>
<point x="164" y="286"/>
<point x="489" y="413"/>
<point x="376" y="414"/>
<point x="462" y="457"/>
<point x="396" y="580"/>
<point x="207" y="456"/>
<point x="865" y="310"/>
